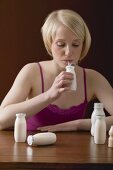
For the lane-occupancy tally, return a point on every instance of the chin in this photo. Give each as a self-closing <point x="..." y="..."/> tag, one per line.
<point x="61" y="65"/>
<point x="64" y="63"/>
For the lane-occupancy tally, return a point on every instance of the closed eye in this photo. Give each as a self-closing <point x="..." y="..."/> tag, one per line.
<point x="75" y="45"/>
<point x="60" y="44"/>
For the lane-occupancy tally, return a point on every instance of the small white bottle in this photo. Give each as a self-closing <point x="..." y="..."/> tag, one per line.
<point x="71" y="68"/>
<point x="110" y="139"/>
<point x="100" y="127"/>
<point x="45" y="138"/>
<point x="97" y="108"/>
<point x="20" y="128"/>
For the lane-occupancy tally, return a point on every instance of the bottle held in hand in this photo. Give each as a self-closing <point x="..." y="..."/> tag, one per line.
<point x="71" y="68"/>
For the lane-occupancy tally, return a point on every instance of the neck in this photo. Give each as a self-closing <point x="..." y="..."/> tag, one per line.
<point x="57" y="69"/>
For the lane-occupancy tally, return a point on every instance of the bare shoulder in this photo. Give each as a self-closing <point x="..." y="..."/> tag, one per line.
<point x="94" y="75"/>
<point x="27" y="76"/>
<point x="29" y="68"/>
<point x="30" y="71"/>
<point x="97" y="80"/>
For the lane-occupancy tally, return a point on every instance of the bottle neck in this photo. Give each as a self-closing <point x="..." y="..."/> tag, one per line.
<point x="20" y="115"/>
<point x="99" y="112"/>
<point x="100" y="117"/>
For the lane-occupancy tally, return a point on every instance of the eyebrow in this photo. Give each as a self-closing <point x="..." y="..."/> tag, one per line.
<point x="77" y="40"/>
<point x="74" y="40"/>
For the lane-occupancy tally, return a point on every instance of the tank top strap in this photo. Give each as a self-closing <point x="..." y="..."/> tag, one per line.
<point x="85" y="88"/>
<point x="42" y="77"/>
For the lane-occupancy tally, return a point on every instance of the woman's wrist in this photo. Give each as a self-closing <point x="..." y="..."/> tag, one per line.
<point x="83" y="124"/>
<point x="47" y="97"/>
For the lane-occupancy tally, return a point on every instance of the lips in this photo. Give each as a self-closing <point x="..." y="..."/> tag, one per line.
<point x="68" y="61"/>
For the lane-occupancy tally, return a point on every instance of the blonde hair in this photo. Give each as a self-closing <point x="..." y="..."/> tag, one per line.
<point x="71" y="20"/>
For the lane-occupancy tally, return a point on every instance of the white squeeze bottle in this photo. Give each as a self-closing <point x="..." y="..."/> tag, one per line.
<point x="97" y="108"/>
<point x="100" y="127"/>
<point x="71" y="68"/>
<point x="45" y="138"/>
<point x="20" y="128"/>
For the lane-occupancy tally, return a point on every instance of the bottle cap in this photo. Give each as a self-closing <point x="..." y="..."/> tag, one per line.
<point x="20" y="114"/>
<point x="30" y="140"/>
<point x="70" y="67"/>
<point x="98" y="105"/>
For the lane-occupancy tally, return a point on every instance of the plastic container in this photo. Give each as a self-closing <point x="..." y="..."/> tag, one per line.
<point x="100" y="127"/>
<point x="20" y="128"/>
<point x="45" y="138"/>
<point x="110" y="139"/>
<point x="98" y="107"/>
<point x="71" y="68"/>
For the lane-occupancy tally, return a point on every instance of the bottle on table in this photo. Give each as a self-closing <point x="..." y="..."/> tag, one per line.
<point x="44" y="138"/>
<point x="110" y="139"/>
<point x="71" y="68"/>
<point x="100" y="127"/>
<point x="20" y="128"/>
<point x="98" y="107"/>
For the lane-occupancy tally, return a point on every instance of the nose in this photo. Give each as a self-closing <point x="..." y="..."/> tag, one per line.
<point x="68" y="51"/>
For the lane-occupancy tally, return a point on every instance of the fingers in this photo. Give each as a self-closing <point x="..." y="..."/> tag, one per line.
<point x="65" y="75"/>
<point x="64" y="89"/>
<point x="64" y="83"/>
<point x="47" y="128"/>
<point x="64" y="79"/>
<point x="61" y="83"/>
<point x="54" y="128"/>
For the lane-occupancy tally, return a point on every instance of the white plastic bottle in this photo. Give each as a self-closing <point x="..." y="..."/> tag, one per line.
<point x="20" y="128"/>
<point x="71" y="68"/>
<point x="45" y="138"/>
<point x="100" y="127"/>
<point x="98" y="107"/>
<point x="110" y="139"/>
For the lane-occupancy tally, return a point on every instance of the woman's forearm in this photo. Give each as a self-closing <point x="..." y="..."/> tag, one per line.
<point x="85" y="124"/>
<point x="30" y="107"/>
<point x="109" y="122"/>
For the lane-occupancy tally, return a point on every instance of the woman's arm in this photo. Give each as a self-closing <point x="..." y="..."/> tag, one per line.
<point x="103" y="91"/>
<point x="75" y="125"/>
<point x="15" y="101"/>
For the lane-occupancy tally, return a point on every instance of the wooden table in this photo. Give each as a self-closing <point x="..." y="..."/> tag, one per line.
<point x="73" y="150"/>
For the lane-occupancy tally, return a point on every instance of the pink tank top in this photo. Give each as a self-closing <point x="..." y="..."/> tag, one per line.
<point x="52" y="114"/>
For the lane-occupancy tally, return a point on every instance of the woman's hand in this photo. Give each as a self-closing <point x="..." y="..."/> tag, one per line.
<point x="67" y="126"/>
<point x="61" y="83"/>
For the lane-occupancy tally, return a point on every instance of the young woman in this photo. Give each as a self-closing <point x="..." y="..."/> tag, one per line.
<point x="42" y="90"/>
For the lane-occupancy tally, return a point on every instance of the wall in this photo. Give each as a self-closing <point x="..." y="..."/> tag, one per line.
<point x="21" y="41"/>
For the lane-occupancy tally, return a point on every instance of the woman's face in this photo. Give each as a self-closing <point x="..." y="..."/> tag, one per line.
<point x="66" y="47"/>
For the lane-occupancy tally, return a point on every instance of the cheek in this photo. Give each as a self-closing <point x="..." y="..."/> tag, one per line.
<point x="56" y="51"/>
<point x="79" y="50"/>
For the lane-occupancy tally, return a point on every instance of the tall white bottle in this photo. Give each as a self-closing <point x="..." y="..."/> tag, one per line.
<point x="98" y="107"/>
<point x="100" y="127"/>
<point x="71" y="68"/>
<point x="20" y="128"/>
